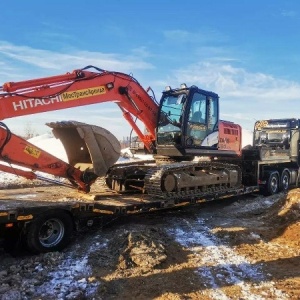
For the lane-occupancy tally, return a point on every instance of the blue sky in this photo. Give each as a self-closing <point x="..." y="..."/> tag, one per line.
<point x="248" y="52"/>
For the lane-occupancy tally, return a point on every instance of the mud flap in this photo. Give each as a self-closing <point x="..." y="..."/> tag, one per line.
<point x="88" y="147"/>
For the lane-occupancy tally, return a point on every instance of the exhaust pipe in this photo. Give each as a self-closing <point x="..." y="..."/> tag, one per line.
<point x="88" y="147"/>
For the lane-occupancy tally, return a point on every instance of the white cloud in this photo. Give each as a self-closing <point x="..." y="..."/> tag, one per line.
<point x="142" y="52"/>
<point x="196" y="37"/>
<point x="289" y="13"/>
<point x="23" y="63"/>
<point x="232" y="82"/>
<point x="244" y="96"/>
<point x="56" y="62"/>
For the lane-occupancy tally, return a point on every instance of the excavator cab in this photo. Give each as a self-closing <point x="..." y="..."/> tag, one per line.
<point x="189" y="125"/>
<point x="188" y="121"/>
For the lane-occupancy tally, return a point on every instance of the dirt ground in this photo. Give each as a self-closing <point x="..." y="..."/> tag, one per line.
<point x="252" y="251"/>
<point x="241" y="248"/>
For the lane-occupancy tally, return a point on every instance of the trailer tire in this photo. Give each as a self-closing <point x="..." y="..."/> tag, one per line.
<point x="285" y="181"/>
<point x="51" y="231"/>
<point x="272" y="186"/>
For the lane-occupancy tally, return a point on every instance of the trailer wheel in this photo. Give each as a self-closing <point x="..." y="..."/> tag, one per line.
<point x="285" y="181"/>
<point x="50" y="232"/>
<point x="272" y="184"/>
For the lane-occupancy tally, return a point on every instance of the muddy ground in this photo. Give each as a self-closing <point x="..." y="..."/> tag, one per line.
<point x="241" y="248"/>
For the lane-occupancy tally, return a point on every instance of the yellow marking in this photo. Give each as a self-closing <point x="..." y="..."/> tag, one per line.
<point x="198" y="127"/>
<point x="261" y="124"/>
<point x="84" y="93"/>
<point x="102" y="211"/>
<point x="276" y="131"/>
<point x="22" y="218"/>
<point x="32" y="151"/>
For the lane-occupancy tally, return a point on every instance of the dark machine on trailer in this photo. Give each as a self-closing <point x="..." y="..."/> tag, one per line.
<point x="196" y="156"/>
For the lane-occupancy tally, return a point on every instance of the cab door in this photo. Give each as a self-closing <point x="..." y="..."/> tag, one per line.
<point x="202" y="119"/>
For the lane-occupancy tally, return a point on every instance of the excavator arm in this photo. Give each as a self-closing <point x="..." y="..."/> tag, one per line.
<point x="17" y="151"/>
<point x="78" y="88"/>
<point x="82" y="87"/>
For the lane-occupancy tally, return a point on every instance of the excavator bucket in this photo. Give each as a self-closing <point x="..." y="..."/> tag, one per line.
<point x="88" y="147"/>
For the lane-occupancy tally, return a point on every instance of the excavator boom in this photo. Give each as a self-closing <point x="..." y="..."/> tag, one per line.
<point x="91" y="150"/>
<point x="80" y="88"/>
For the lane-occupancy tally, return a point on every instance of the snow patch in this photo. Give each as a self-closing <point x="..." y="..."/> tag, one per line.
<point x="220" y="263"/>
<point x="72" y="277"/>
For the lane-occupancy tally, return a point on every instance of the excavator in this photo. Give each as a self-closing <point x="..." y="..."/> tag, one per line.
<point x="193" y="149"/>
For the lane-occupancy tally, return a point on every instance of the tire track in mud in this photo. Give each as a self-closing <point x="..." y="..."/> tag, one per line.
<point x="220" y="266"/>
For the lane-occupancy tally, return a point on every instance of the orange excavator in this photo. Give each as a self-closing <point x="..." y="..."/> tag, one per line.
<point x="185" y="124"/>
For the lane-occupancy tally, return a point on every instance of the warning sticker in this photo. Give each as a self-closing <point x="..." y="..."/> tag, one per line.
<point x="32" y="151"/>
<point x="84" y="93"/>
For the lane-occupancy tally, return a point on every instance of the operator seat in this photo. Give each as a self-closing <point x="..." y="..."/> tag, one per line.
<point x="197" y="132"/>
<point x="197" y="117"/>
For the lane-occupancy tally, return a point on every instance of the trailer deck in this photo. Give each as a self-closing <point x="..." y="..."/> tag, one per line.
<point x="23" y="203"/>
<point x="42" y="218"/>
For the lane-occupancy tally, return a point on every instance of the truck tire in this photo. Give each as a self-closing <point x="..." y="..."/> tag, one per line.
<point x="285" y="181"/>
<point x="51" y="231"/>
<point x="272" y="186"/>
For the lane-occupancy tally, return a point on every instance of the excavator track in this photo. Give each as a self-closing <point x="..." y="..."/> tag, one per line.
<point x="190" y="180"/>
<point x="128" y="176"/>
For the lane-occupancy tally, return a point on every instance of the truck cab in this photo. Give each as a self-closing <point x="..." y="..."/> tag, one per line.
<point x="276" y="143"/>
<point x="278" y="139"/>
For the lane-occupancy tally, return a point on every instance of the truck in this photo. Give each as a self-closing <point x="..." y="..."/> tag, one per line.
<point x="275" y="151"/>
<point x="196" y="156"/>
